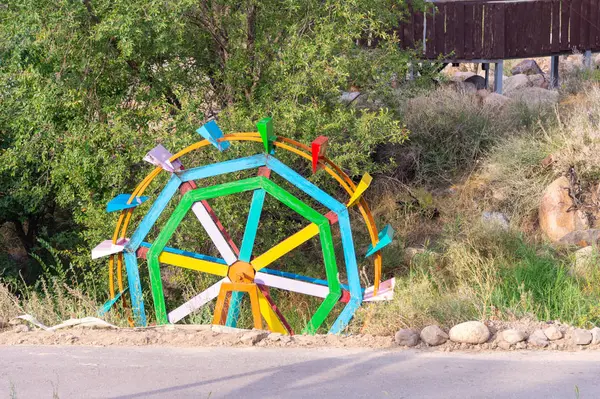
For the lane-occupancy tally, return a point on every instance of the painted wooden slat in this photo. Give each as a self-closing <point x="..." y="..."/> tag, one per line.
<point x="265" y="129"/>
<point x="385" y="238"/>
<point x="269" y="315"/>
<point x="153" y="213"/>
<point x="252" y="291"/>
<point x="213" y="133"/>
<point x="362" y="186"/>
<point x="107" y="247"/>
<point x="194" y="255"/>
<point x="135" y="289"/>
<point x="318" y="149"/>
<point x="221" y="168"/>
<point x="196" y="302"/>
<point x="385" y="293"/>
<point x="159" y="156"/>
<point x="256" y="206"/>
<point x="120" y="202"/>
<point x="303" y="184"/>
<point x="300" y="277"/>
<point x="109" y="304"/>
<point x="265" y="292"/>
<point x="289" y="284"/>
<point x="214" y="233"/>
<point x="193" y="263"/>
<point x="285" y="246"/>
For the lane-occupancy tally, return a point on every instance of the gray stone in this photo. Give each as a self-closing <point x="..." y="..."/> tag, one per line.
<point x="527" y="67"/>
<point x="477" y="81"/>
<point x="534" y="97"/>
<point x="586" y="262"/>
<point x="504" y="345"/>
<point x="252" y="337"/>
<point x="579" y="336"/>
<point x="595" y="336"/>
<point x="581" y="238"/>
<point x="411" y="252"/>
<point x="349" y="96"/>
<point x="515" y="83"/>
<point x="433" y="335"/>
<point x="470" y="332"/>
<point x="407" y="337"/>
<point x="21" y="328"/>
<point x="553" y="333"/>
<point x="494" y="100"/>
<point x="513" y="336"/>
<point x="538" y="338"/>
<point x="521" y="345"/>
<point x="496" y="219"/>
<point x="274" y="337"/>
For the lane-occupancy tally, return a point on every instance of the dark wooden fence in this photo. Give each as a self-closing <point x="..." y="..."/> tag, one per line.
<point x="489" y="30"/>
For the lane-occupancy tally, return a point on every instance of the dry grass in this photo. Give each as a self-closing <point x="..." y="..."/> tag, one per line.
<point x="9" y="306"/>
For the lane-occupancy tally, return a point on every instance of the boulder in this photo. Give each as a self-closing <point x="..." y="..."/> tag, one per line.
<point x="556" y="217"/>
<point x="461" y="76"/>
<point x="433" y="335"/>
<point x="586" y="262"/>
<point x="595" y="336"/>
<point x="495" y="219"/>
<point x="581" y="238"/>
<point x="254" y="337"/>
<point x="504" y="345"/>
<point x="411" y="252"/>
<point x="579" y="336"/>
<point x="539" y="81"/>
<point x="553" y="333"/>
<point x="477" y="81"/>
<point x="494" y="100"/>
<point x="470" y="332"/>
<point x="538" y="338"/>
<point x="535" y="97"/>
<point x="516" y="82"/>
<point x="407" y="337"/>
<point x="513" y="336"/>
<point x="527" y="67"/>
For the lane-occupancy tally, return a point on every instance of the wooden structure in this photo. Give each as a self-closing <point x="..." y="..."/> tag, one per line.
<point x="241" y="269"/>
<point x="489" y="31"/>
<point x="463" y="31"/>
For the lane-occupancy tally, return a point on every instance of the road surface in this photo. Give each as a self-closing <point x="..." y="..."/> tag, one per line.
<point x="147" y="372"/>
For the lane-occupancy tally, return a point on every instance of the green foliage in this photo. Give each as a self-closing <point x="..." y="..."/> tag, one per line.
<point x="88" y="87"/>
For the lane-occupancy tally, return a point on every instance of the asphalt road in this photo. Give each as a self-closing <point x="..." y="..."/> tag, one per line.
<point x="145" y="372"/>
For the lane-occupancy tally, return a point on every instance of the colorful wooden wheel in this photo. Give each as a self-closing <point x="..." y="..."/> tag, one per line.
<point x="242" y="270"/>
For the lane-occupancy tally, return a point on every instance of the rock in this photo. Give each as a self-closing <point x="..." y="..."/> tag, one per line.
<point x="407" y="337"/>
<point x="513" y="336"/>
<point x="477" y="81"/>
<point x="433" y="335"/>
<point x="464" y="87"/>
<point x="21" y="328"/>
<point x="504" y="345"/>
<point x="579" y="336"/>
<point x="549" y="160"/>
<point x="538" y="338"/>
<point x="595" y="336"/>
<point x="556" y="217"/>
<point x="581" y="238"/>
<point x="349" y="96"/>
<point x="535" y="97"/>
<point x="461" y="76"/>
<point x="495" y="219"/>
<point x="553" y="333"/>
<point x="274" y="337"/>
<point x="521" y="345"/>
<point x="411" y="252"/>
<point x="527" y="67"/>
<point x="217" y="328"/>
<point x="252" y="337"/>
<point x="597" y="60"/>
<point x="539" y="81"/>
<point x="515" y="83"/>
<point x="495" y="100"/>
<point x="470" y="332"/>
<point x="586" y="262"/>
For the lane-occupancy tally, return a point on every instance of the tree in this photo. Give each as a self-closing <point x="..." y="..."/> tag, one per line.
<point x="87" y="87"/>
